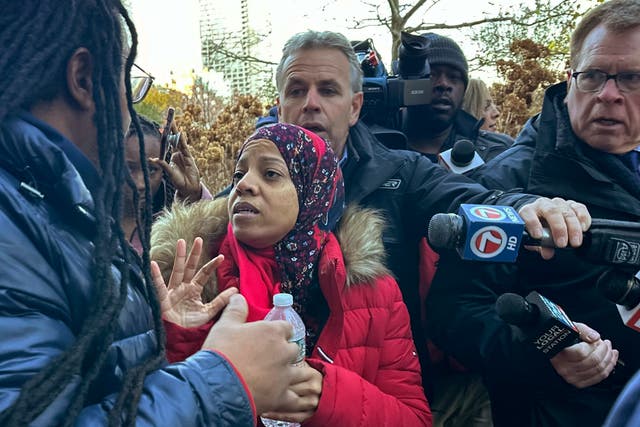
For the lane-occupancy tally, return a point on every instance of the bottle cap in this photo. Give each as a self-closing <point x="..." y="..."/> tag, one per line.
<point x="282" y="299"/>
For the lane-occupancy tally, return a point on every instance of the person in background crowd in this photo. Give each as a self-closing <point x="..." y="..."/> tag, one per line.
<point x="276" y="233"/>
<point x="459" y="398"/>
<point x="583" y="146"/>
<point x="269" y="119"/>
<point x="172" y="175"/>
<point x="477" y="101"/>
<point x="82" y="341"/>
<point x="435" y="127"/>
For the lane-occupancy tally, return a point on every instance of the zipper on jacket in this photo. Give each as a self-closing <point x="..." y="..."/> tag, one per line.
<point x="30" y="191"/>
<point x="324" y="355"/>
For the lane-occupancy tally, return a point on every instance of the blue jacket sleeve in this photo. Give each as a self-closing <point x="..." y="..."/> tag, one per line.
<point x="36" y="312"/>
<point x="204" y="390"/>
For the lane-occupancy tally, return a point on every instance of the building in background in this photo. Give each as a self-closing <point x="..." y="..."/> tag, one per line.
<point x="232" y="37"/>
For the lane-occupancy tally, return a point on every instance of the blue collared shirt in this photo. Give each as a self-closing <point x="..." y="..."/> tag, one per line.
<point x="632" y="161"/>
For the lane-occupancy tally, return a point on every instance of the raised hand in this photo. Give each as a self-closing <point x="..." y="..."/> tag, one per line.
<point x="182" y="171"/>
<point x="180" y="301"/>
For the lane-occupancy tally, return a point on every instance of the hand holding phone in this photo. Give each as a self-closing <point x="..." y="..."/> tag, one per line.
<point x="177" y="162"/>
<point x="169" y="141"/>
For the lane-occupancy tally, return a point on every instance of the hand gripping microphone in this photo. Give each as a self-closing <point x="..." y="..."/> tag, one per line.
<point x="544" y="323"/>
<point x="461" y="158"/>
<point x="623" y="288"/>
<point x="547" y="327"/>
<point x="481" y="233"/>
<point x="495" y="233"/>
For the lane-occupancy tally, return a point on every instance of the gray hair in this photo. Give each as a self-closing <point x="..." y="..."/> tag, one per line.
<point x="321" y="40"/>
<point x="615" y="15"/>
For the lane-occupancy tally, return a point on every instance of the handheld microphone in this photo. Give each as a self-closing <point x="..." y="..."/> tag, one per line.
<point x="495" y="233"/>
<point x="543" y="322"/>
<point x="623" y="288"/>
<point x="546" y="326"/>
<point x="482" y="233"/>
<point x="461" y="158"/>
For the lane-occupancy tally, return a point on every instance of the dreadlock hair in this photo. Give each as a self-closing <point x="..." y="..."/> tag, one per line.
<point x="38" y="38"/>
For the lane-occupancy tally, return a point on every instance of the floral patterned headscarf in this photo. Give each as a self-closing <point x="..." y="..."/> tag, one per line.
<point x="318" y="181"/>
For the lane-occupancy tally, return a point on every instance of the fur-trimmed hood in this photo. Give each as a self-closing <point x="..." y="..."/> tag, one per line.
<point x="359" y="233"/>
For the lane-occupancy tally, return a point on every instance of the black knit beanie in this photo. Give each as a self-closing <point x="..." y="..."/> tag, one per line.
<point x="444" y="51"/>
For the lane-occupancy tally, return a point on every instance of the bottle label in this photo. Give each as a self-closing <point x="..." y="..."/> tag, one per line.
<point x="301" y="349"/>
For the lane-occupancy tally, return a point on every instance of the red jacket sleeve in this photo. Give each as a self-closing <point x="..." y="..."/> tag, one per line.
<point x="395" y="398"/>
<point x="183" y="342"/>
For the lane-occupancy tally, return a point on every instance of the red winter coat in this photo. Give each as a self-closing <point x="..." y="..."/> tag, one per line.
<point x="365" y="350"/>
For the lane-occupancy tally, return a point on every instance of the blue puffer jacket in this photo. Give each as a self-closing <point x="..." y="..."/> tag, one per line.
<point x="46" y="293"/>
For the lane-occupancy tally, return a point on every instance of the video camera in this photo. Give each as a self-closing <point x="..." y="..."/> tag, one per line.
<point x="385" y="94"/>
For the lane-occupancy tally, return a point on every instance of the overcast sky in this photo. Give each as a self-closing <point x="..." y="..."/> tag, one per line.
<point x="169" y="29"/>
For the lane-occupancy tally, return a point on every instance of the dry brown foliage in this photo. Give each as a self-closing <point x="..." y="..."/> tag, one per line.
<point x="215" y="145"/>
<point x="520" y="97"/>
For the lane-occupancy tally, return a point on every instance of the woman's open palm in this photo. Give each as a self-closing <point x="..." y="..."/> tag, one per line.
<point x="181" y="301"/>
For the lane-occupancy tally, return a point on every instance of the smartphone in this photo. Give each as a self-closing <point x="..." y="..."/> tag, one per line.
<point x="168" y="141"/>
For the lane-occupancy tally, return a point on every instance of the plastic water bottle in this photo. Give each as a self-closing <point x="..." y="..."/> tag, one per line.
<point x="283" y="310"/>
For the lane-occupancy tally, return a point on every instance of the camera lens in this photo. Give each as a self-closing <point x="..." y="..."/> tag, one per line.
<point x="412" y="56"/>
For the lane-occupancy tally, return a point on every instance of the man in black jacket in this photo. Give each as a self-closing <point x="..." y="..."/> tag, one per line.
<point x="583" y="146"/>
<point x="319" y="82"/>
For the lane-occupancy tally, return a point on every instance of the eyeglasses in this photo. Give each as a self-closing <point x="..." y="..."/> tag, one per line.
<point x="594" y="80"/>
<point x="140" y="83"/>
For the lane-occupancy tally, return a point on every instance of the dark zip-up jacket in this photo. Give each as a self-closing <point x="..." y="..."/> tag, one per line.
<point x="408" y="189"/>
<point x="547" y="159"/>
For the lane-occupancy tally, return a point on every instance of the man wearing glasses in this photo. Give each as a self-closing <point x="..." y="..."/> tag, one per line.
<point x="583" y="146"/>
<point x="141" y="82"/>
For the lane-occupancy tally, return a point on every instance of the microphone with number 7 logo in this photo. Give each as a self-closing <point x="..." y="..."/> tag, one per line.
<point x="481" y="233"/>
<point x="495" y="233"/>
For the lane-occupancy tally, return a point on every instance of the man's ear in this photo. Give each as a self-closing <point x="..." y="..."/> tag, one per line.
<point x="80" y="78"/>
<point x="356" y="106"/>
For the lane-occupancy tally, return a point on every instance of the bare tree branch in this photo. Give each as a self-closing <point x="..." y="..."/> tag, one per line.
<point x="428" y="27"/>
<point x="411" y="11"/>
<point x="222" y="49"/>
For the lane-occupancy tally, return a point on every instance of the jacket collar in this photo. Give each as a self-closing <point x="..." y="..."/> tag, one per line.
<point x="31" y="151"/>
<point x="370" y="164"/>
<point x="359" y="258"/>
<point x="561" y="157"/>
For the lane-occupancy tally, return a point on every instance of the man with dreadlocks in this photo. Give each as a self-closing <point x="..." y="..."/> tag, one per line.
<point x="82" y="340"/>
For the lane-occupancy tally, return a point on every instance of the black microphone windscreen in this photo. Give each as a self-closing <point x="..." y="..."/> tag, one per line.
<point x="444" y="230"/>
<point x="515" y="310"/>
<point x="619" y="286"/>
<point x="462" y="152"/>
